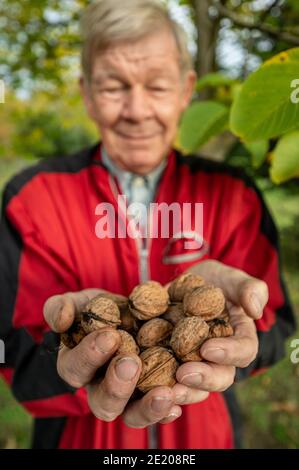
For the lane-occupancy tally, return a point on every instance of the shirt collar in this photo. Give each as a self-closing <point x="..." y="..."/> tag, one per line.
<point x="125" y="177"/>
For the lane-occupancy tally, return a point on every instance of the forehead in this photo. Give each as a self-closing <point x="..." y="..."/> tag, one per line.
<point x="152" y="53"/>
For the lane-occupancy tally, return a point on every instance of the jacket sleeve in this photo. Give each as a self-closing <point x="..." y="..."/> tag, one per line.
<point x="253" y="246"/>
<point x="29" y="274"/>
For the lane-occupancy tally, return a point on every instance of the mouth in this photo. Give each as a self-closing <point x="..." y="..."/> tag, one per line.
<point x="137" y="137"/>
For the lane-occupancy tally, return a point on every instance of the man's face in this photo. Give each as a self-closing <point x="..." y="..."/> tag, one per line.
<point x="136" y="96"/>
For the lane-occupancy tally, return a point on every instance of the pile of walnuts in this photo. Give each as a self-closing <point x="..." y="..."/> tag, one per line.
<point x="165" y="327"/>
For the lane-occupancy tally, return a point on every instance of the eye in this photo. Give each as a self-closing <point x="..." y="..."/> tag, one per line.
<point x="113" y="90"/>
<point x="157" y="89"/>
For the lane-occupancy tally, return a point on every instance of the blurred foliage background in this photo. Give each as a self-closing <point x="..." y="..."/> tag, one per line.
<point x="247" y="58"/>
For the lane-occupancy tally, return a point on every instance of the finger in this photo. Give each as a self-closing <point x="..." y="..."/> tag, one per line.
<point x="253" y="297"/>
<point x="60" y="310"/>
<point x="206" y="376"/>
<point x="175" y="413"/>
<point x="78" y="366"/>
<point x="238" y="287"/>
<point x="108" y="399"/>
<point x="238" y="350"/>
<point x="152" y="408"/>
<point x="186" y="395"/>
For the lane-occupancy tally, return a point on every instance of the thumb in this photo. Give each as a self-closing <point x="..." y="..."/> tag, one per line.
<point x="60" y="310"/>
<point x="239" y="287"/>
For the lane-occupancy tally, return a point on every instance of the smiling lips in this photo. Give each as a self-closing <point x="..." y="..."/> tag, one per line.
<point x="137" y="136"/>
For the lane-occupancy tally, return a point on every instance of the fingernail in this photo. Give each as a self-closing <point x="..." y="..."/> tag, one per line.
<point x="256" y="304"/>
<point x="192" y="379"/>
<point x="126" y="368"/>
<point x="181" y="398"/>
<point x="173" y="416"/>
<point x="214" y="354"/>
<point x="160" y="404"/>
<point x="105" y="342"/>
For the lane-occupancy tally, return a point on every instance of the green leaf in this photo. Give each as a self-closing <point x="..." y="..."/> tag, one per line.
<point x="185" y="2"/>
<point x="214" y="80"/>
<point x="263" y="108"/>
<point x="285" y="158"/>
<point x="258" y="152"/>
<point x="200" y="122"/>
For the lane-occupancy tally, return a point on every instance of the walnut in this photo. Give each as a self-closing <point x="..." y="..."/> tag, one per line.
<point x="220" y="328"/>
<point x="128" y="344"/>
<point x="175" y="337"/>
<point x="128" y="322"/>
<point x="188" y="335"/>
<point x="159" y="367"/>
<point x="120" y="300"/>
<point x="193" y="356"/>
<point x="208" y="302"/>
<point x="174" y="313"/>
<point x="148" y="300"/>
<point x="184" y="284"/>
<point x="74" y="335"/>
<point x="224" y="315"/>
<point x="155" y="332"/>
<point x="100" y="312"/>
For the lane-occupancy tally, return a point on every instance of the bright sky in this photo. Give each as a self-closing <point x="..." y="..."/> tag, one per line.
<point x="230" y="52"/>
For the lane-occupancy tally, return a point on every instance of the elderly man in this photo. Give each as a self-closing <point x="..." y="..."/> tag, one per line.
<point x="137" y="80"/>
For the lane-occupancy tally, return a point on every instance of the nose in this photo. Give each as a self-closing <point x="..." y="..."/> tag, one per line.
<point x="136" y="106"/>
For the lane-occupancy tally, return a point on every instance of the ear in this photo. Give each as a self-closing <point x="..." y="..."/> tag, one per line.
<point x="86" y="96"/>
<point x="188" y="88"/>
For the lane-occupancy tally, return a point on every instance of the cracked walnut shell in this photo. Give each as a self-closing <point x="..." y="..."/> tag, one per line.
<point x="220" y="328"/>
<point x="73" y="336"/>
<point x="100" y="312"/>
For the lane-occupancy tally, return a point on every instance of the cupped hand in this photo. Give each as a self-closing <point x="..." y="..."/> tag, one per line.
<point x="109" y="396"/>
<point x="246" y="298"/>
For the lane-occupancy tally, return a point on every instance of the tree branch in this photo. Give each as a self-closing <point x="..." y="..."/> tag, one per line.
<point x="245" y="22"/>
<point x="266" y="12"/>
<point x="205" y="37"/>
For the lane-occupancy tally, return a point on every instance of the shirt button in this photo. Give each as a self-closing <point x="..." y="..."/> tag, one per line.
<point x="138" y="182"/>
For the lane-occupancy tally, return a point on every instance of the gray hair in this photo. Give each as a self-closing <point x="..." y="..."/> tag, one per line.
<point x="107" y="22"/>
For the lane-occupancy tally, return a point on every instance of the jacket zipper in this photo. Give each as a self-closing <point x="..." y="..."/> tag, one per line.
<point x="144" y="275"/>
<point x="141" y="248"/>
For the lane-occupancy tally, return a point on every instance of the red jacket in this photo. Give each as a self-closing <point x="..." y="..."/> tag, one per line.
<point x="49" y="246"/>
